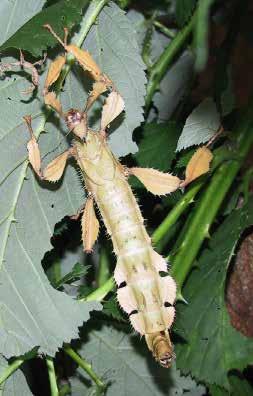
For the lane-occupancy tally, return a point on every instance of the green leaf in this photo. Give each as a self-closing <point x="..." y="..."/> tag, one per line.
<point x="239" y="386"/>
<point x="201" y="33"/>
<point x="158" y="138"/>
<point x="32" y="37"/>
<point x="16" y="384"/>
<point x="76" y="273"/>
<point x="124" y="363"/>
<point x="112" y="43"/>
<point x="111" y="308"/>
<point x="213" y="347"/>
<point x="200" y="125"/>
<point x="184" y="10"/>
<point x="14" y="14"/>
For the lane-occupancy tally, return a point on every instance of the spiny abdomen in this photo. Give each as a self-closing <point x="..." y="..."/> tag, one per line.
<point x="145" y="295"/>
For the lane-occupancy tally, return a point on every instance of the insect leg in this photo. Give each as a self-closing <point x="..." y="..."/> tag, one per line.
<point x="55" y="168"/>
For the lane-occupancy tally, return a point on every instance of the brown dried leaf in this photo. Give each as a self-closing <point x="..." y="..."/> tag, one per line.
<point x="158" y="183"/>
<point x="51" y="100"/>
<point x="90" y="226"/>
<point x="113" y="106"/>
<point x="54" y="71"/>
<point x="54" y="169"/>
<point x="239" y="293"/>
<point x="198" y="164"/>
<point x="85" y="60"/>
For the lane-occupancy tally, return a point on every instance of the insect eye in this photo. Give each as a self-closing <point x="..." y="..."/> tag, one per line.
<point x="73" y="118"/>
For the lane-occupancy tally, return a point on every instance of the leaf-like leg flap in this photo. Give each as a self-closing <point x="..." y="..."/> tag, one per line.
<point x="167" y="289"/>
<point x="158" y="183"/>
<point x="113" y="106"/>
<point x="90" y="226"/>
<point x="137" y="321"/>
<point x="198" y="165"/>
<point x="126" y="299"/>
<point x="54" y="170"/>
<point x="98" y="88"/>
<point x="85" y="60"/>
<point x="33" y="148"/>
<point x="51" y="100"/>
<point x="159" y="262"/>
<point x="54" y="72"/>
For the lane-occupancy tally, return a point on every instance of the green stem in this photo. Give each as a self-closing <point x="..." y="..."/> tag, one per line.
<point x="90" y="18"/>
<point x="85" y="366"/>
<point x="160" y="67"/>
<point x="52" y="376"/>
<point x="176" y="212"/>
<point x="10" y="369"/>
<point x="101" y="292"/>
<point x="168" y="32"/>
<point x="209" y="204"/>
<point x="103" y="267"/>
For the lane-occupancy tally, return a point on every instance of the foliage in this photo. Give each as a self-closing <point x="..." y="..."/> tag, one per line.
<point x="153" y="56"/>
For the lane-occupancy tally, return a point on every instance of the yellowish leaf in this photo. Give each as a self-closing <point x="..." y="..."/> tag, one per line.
<point x="158" y="183"/>
<point x="90" y="226"/>
<point x="51" y="100"/>
<point x="198" y="164"/>
<point x="113" y="106"/>
<point x="54" y="169"/>
<point x="85" y="60"/>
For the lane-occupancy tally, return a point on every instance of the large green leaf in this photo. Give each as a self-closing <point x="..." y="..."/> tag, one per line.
<point x="14" y="14"/>
<point x="125" y="364"/>
<point x="32" y="36"/>
<point x="16" y="384"/>
<point x="213" y="347"/>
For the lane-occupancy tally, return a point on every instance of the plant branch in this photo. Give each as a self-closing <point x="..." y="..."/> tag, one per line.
<point x="103" y="268"/>
<point x="100" y="292"/>
<point x="168" y="32"/>
<point x="160" y="67"/>
<point x="52" y="376"/>
<point x="10" y="369"/>
<point x="85" y="366"/>
<point x="206" y="209"/>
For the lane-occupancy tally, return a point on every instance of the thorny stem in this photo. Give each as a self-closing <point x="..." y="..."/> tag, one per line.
<point x="90" y="18"/>
<point x="85" y="366"/>
<point x="159" y="69"/>
<point x="168" y="32"/>
<point x="10" y="369"/>
<point x="176" y="212"/>
<point x="52" y="376"/>
<point x="210" y="202"/>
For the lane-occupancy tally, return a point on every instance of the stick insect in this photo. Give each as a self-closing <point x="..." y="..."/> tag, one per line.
<point x="147" y="297"/>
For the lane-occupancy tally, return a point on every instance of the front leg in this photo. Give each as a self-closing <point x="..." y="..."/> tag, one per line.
<point x="54" y="170"/>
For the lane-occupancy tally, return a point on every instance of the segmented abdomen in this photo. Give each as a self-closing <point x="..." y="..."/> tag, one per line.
<point x="142" y="292"/>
